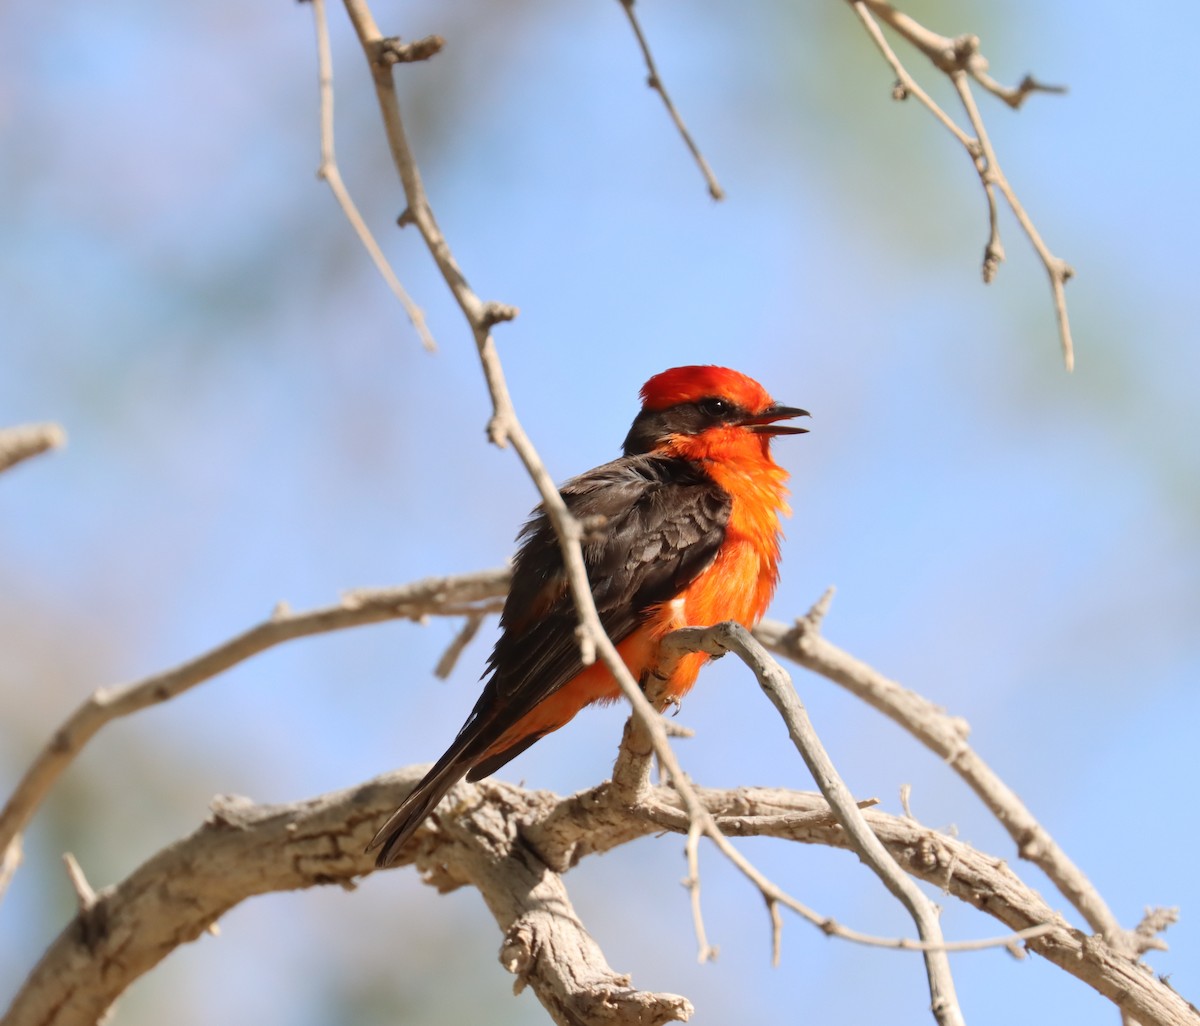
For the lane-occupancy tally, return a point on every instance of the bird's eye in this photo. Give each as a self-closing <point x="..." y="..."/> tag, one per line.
<point x="714" y="407"/>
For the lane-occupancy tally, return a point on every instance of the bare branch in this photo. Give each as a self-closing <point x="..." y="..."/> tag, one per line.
<point x="473" y="593"/>
<point x="545" y="944"/>
<point x="960" y="54"/>
<point x="26" y="440"/>
<point x="655" y="82"/>
<point x="631" y="788"/>
<point x="790" y="814"/>
<point x="909" y="86"/>
<point x="380" y="55"/>
<point x="328" y="172"/>
<point x="989" y="884"/>
<point x="1058" y="270"/>
<point x="439" y="596"/>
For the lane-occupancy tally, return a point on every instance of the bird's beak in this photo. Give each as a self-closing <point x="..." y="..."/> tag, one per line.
<point x="764" y="423"/>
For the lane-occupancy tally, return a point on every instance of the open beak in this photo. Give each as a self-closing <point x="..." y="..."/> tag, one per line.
<point x="765" y="423"/>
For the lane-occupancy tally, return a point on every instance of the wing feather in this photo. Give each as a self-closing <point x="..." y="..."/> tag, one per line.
<point x="661" y="522"/>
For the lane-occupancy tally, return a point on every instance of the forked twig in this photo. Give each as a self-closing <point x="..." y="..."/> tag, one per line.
<point x="655" y="82"/>
<point x="961" y="60"/>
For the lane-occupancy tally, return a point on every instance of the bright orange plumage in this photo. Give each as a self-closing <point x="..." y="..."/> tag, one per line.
<point x="689" y="536"/>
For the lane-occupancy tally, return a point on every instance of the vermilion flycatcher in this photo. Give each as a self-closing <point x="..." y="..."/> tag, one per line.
<point x="688" y="536"/>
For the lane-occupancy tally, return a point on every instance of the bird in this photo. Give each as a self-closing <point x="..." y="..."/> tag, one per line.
<point x="682" y="530"/>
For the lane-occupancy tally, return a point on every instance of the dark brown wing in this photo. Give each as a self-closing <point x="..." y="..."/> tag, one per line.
<point x="660" y="522"/>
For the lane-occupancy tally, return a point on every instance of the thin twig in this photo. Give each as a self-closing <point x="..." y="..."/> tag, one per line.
<point x="25" y="440"/>
<point x="776" y="932"/>
<point x="455" y="649"/>
<point x="1016" y="95"/>
<point x="85" y="895"/>
<point x="910" y="86"/>
<point x="630" y="788"/>
<point x="328" y="172"/>
<point x="655" y="82"/>
<point x="705" y="952"/>
<point x="660" y="810"/>
<point x="1154" y="922"/>
<point x="960" y="59"/>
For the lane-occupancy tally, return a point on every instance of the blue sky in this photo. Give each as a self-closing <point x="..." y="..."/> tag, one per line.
<point x="251" y="419"/>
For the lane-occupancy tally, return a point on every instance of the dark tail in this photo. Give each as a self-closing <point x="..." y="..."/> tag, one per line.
<point x="402" y="823"/>
<point x="464" y="758"/>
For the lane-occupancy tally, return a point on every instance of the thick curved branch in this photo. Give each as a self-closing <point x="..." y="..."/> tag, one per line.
<point x="482" y="838"/>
